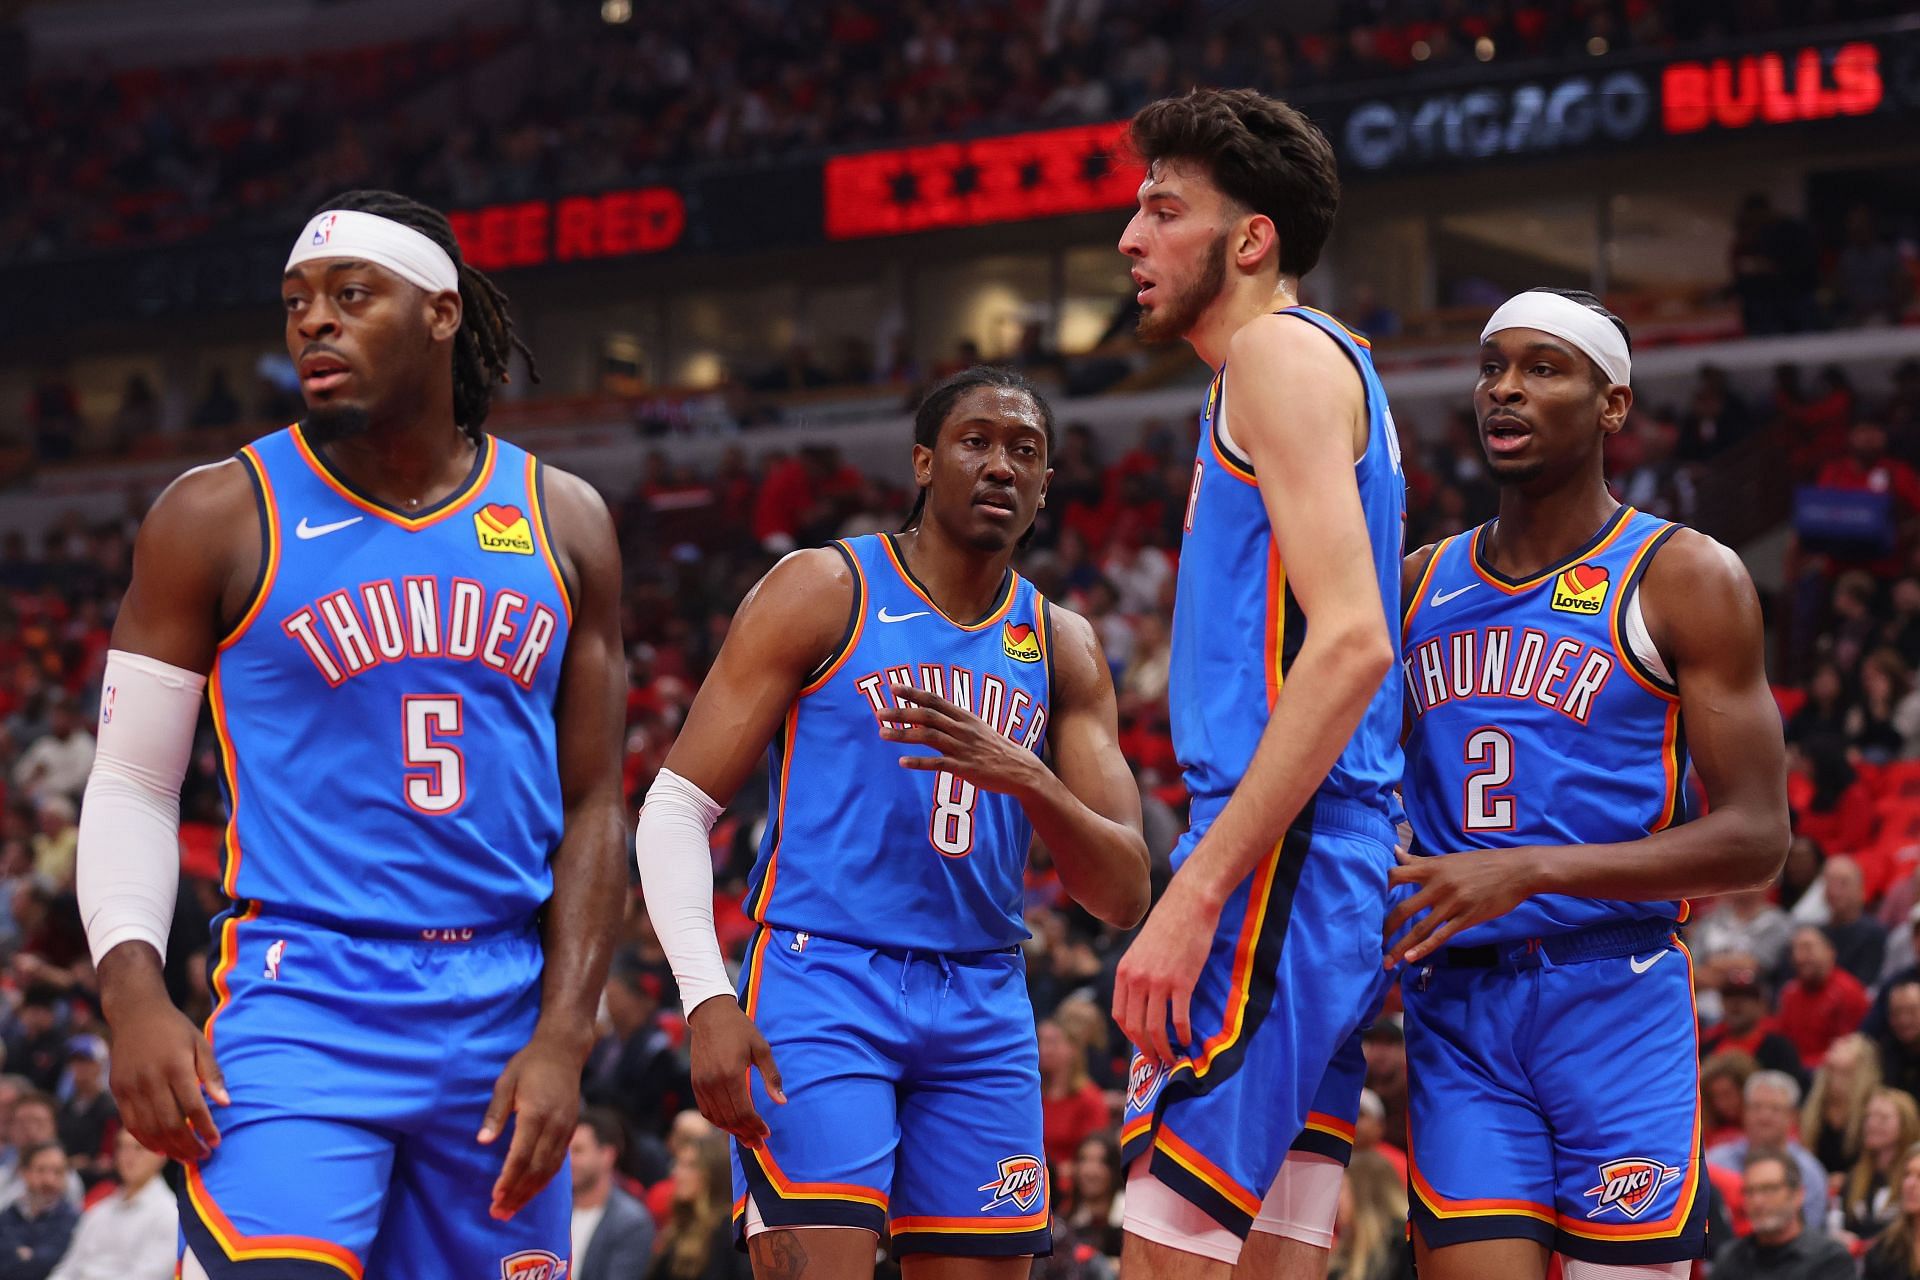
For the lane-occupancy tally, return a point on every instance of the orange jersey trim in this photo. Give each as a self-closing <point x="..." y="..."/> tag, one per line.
<point x="269" y="551"/>
<point x="1207" y="1171"/>
<point x="1673" y="766"/>
<point x="1332" y="1126"/>
<point x="223" y="738"/>
<point x="1276" y="623"/>
<point x="1242" y="983"/>
<point x="757" y="909"/>
<point x="1412" y="606"/>
<point x="757" y="954"/>
<point x="1621" y="518"/>
<point x="973" y="1226"/>
<point x="1216" y="395"/>
<point x="220" y="982"/>
<point x="1619" y="637"/>
<point x="1000" y="611"/>
<point x="789" y="1189"/>
<point x="539" y="523"/>
<point x="245" y="1248"/>
<point x="449" y="506"/>
<point x="1135" y="1127"/>
<point x="1338" y="324"/>
<point x="840" y="656"/>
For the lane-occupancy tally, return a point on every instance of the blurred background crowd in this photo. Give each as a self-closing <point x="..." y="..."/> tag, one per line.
<point x="734" y="408"/>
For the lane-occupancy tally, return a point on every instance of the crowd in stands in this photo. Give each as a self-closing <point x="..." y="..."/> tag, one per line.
<point x="98" y="159"/>
<point x="1809" y="990"/>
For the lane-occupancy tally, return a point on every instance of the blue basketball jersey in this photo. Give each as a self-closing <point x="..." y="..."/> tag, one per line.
<point x="1533" y="721"/>
<point x="1236" y="625"/>
<point x="385" y="708"/>
<point x="861" y="849"/>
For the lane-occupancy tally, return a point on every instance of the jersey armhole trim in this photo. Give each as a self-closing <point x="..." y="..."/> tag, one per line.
<point x="269" y="515"/>
<point x="1617" y="623"/>
<point x="1043" y="630"/>
<point x="1353" y="358"/>
<point x="1411" y="607"/>
<point x="856" y="623"/>
<point x="1237" y="464"/>
<point x="537" y="499"/>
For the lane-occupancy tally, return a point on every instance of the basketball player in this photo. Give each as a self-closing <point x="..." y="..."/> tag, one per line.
<point x="1561" y="661"/>
<point x="1247" y="990"/>
<point x="911" y="686"/>
<point x="408" y="632"/>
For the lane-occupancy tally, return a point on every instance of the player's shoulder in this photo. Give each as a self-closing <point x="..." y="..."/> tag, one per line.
<point x="809" y="580"/>
<point x="1288" y="337"/>
<point x="565" y="492"/>
<point x="1413" y="566"/>
<point x="1690" y="560"/>
<point x="1071" y="630"/>
<point x="1078" y="657"/>
<point x="217" y="496"/>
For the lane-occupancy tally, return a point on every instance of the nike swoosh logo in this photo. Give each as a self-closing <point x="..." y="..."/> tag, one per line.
<point x="1441" y="597"/>
<point x="899" y="617"/>
<point x="305" y="531"/>
<point x="1641" y="966"/>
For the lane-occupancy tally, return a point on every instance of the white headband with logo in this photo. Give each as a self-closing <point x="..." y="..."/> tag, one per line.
<point x="1591" y="333"/>
<point x="348" y="233"/>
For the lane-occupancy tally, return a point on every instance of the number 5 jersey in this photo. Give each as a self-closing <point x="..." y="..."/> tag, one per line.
<point x="385" y="708"/>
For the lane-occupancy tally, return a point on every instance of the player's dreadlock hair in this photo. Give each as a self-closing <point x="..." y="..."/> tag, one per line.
<point x="939" y="402"/>
<point x="1593" y="304"/>
<point x="486" y="340"/>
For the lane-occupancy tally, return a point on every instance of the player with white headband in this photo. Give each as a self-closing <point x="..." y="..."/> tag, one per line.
<point x="408" y="633"/>
<point x="1562" y="663"/>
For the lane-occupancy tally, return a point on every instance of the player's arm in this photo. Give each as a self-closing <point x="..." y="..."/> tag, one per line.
<point x="540" y="1085"/>
<point x="1704" y="616"/>
<point x="788" y="625"/>
<point x="194" y="566"/>
<point x="1088" y="812"/>
<point x="1299" y="412"/>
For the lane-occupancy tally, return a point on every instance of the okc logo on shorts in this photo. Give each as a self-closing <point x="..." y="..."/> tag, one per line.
<point x="1019" y="1183"/>
<point x="532" y="1264"/>
<point x="1142" y="1079"/>
<point x="1629" y="1185"/>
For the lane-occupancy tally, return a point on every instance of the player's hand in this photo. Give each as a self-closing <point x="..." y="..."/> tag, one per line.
<point x="161" y="1064"/>
<point x="540" y="1088"/>
<point x="1154" y="983"/>
<point x="967" y="746"/>
<point x="725" y="1045"/>
<point x="1456" y="892"/>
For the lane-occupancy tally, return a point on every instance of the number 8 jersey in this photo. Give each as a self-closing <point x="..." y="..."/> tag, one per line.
<point x="1542" y="715"/>
<point x="858" y="847"/>
<point x="385" y="707"/>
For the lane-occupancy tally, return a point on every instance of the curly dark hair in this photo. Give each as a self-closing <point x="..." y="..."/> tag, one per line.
<point x="1261" y="152"/>
<point x="486" y="340"/>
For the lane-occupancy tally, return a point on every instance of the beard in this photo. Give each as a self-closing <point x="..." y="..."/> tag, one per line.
<point x="330" y="423"/>
<point x="1171" y="321"/>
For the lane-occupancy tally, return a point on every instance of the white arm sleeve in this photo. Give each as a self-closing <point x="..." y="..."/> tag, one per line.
<point x="676" y="879"/>
<point x="129" y="857"/>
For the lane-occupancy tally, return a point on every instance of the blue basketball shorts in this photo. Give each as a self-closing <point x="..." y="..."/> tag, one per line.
<point x="1553" y="1095"/>
<point x="913" y="1096"/>
<point x="1293" y="977"/>
<point x="359" y="1070"/>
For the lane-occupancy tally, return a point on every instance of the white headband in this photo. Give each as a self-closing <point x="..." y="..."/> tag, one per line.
<point x="347" y="233"/>
<point x="1590" y="332"/>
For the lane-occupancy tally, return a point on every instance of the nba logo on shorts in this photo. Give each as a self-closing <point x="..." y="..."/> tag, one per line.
<point x="1019" y="1182"/>
<point x="1629" y="1185"/>
<point x="532" y="1264"/>
<point x="274" y="955"/>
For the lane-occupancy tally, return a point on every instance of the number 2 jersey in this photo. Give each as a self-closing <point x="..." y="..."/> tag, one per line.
<point x="385" y="708"/>
<point x="858" y="847"/>
<point x="1539" y="716"/>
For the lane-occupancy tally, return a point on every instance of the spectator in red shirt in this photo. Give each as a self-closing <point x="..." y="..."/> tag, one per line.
<point x="1823" y="1002"/>
<point x="1744" y="1024"/>
<point x="1866" y="465"/>
<point x="1072" y="1105"/>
